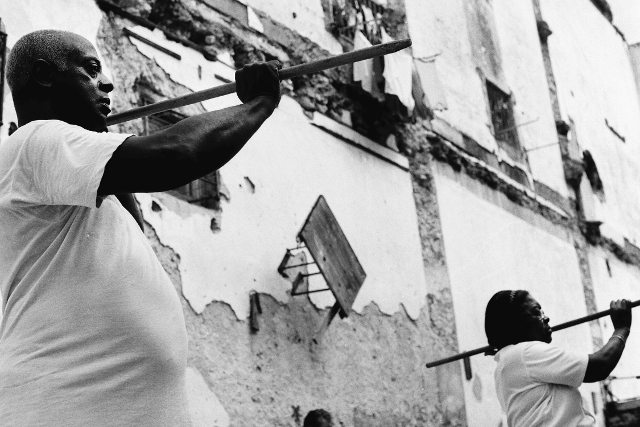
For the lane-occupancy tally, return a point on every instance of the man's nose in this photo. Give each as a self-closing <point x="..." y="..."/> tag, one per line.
<point x="104" y="84"/>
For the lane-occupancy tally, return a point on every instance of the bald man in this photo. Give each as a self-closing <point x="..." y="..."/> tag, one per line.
<point x="92" y="332"/>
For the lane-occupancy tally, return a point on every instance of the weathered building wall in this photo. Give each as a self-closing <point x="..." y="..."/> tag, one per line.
<point x="444" y="27"/>
<point x="368" y="369"/>
<point x="614" y="279"/>
<point x="271" y="187"/>
<point x="525" y="74"/>
<point x="491" y="245"/>
<point x="596" y="91"/>
<point x="306" y="18"/>
<point x="438" y="232"/>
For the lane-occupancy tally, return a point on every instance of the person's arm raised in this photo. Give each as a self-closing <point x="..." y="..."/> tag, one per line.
<point x="197" y="145"/>
<point x="603" y="361"/>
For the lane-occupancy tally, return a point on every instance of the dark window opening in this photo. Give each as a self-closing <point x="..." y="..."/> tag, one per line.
<point x="591" y="171"/>
<point x="504" y="124"/>
<point x="203" y="191"/>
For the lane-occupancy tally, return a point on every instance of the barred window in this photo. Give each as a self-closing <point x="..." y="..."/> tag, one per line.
<point x="504" y="125"/>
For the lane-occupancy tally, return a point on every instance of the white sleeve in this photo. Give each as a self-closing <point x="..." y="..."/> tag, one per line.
<point x="549" y="364"/>
<point x="63" y="164"/>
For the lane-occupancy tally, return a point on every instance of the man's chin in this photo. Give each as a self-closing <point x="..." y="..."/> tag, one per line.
<point x="99" y="125"/>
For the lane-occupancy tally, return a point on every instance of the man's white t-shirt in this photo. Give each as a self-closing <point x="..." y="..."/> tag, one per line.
<point x="537" y="385"/>
<point x="92" y="332"/>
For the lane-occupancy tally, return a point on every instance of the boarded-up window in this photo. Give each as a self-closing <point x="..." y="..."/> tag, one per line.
<point x="504" y="126"/>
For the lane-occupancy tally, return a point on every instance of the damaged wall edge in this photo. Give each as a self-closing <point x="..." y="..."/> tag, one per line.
<point x="445" y="151"/>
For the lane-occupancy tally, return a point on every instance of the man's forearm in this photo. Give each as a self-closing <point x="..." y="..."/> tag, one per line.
<point x="185" y="151"/>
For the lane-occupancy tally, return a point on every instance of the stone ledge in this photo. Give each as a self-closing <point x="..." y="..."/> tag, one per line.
<point x="351" y="136"/>
<point x="444" y="151"/>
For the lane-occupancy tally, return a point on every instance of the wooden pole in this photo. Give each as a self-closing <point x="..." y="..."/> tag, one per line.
<point x="556" y="328"/>
<point x="285" y="73"/>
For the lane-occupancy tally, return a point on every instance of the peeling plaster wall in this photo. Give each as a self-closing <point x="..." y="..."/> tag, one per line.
<point x="618" y="280"/>
<point x="449" y="36"/>
<point x="371" y="198"/>
<point x="192" y="70"/>
<point x="595" y="82"/>
<point x="368" y="369"/>
<point x="442" y="27"/>
<point x="524" y="71"/>
<point x="491" y="245"/>
<point x="304" y="17"/>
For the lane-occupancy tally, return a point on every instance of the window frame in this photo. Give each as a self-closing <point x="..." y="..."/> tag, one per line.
<point x="511" y="145"/>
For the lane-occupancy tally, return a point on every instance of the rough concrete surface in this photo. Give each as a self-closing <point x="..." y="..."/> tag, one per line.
<point x="368" y="370"/>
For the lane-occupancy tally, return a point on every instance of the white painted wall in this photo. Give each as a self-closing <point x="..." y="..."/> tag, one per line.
<point x="441" y="26"/>
<point x="626" y="14"/>
<point x="622" y="282"/>
<point x="490" y="248"/>
<point x="291" y="163"/>
<point x="634" y="54"/>
<point x="595" y="82"/>
<point x="526" y="76"/>
<point x="308" y="20"/>
<point x="438" y="26"/>
<point x="375" y="197"/>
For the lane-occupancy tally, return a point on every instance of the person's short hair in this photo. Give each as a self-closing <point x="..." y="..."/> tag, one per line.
<point x="50" y="45"/>
<point x="503" y="320"/>
<point x="314" y="417"/>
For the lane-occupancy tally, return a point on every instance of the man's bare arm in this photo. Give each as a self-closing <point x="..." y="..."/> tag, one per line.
<point x="197" y="145"/>
<point x="185" y="151"/>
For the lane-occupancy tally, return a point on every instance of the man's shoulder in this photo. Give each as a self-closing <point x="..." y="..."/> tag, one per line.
<point x="46" y="128"/>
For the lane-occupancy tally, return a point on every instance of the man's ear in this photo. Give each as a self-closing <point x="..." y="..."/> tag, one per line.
<point x="42" y="72"/>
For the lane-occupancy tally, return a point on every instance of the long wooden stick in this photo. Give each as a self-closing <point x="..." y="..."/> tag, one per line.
<point x="285" y="73"/>
<point x="559" y="327"/>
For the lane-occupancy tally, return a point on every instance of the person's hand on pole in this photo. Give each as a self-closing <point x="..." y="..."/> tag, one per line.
<point x="621" y="314"/>
<point x="259" y="79"/>
<point x="603" y="361"/>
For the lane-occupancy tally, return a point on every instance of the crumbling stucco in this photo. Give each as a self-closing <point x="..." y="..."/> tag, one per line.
<point x="367" y="370"/>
